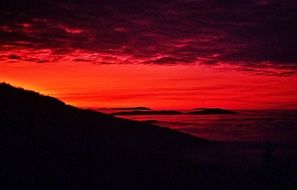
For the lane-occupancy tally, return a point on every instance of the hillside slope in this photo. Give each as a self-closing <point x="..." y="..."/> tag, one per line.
<point x="46" y="144"/>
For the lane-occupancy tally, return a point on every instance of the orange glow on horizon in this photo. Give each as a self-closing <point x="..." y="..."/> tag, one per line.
<point x="159" y="87"/>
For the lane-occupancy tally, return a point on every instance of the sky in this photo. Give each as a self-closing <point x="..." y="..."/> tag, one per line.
<point x="238" y="54"/>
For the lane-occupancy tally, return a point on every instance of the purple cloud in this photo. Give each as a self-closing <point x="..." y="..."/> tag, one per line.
<point x="247" y="33"/>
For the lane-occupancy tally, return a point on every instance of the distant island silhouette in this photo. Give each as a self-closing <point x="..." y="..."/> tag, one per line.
<point x="47" y="144"/>
<point x="198" y="111"/>
<point x="209" y="111"/>
<point x="161" y="112"/>
<point x="129" y="108"/>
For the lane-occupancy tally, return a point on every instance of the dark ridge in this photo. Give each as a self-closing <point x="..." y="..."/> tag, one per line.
<point x="46" y="144"/>
<point x="164" y="112"/>
<point x="211" y="111"/>
<point x="8" y="93"/>
<point x="150" y="121"/>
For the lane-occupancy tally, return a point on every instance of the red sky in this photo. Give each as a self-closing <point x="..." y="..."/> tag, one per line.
<point x="160" y="87"/>
<point x="160" y="54"/>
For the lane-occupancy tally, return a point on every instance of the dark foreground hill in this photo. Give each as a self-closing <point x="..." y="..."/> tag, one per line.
<point x="46" y="144"/>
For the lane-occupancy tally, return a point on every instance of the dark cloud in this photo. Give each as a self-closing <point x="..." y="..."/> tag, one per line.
<point x="14" y="57"/>
<point x="249" y="33"/>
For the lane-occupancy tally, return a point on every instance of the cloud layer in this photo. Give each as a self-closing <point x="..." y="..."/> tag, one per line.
<point x="248" y="33"/>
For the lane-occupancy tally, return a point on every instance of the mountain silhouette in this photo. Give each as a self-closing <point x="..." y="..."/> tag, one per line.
<point x="210" y="111"/>
<point x="161" y="112"/>
<point x="46" y="144"/>
<point x="130" y="108"/>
